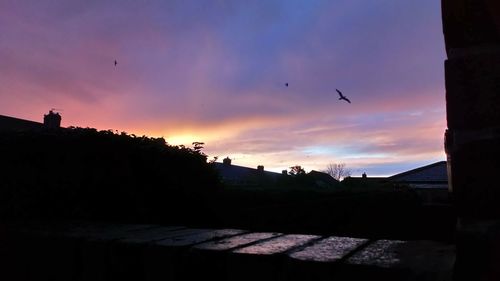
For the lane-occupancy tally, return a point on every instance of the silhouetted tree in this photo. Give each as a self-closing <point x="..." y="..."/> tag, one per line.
<point x="89" y="174"/>
<point x="213" y="160"/>
<point x="296" y="170"/>
<point x="338" y="171"/>
<point x="198" y="146"/>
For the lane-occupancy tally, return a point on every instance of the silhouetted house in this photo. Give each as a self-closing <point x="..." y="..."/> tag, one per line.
<point x="51" y="120"/>
<point x="364" y="180"/>
<point x="239" y="175"/>
<point x="431" y="176"/>
<point x="430" y="182"/>
<point x="323" y="179"/>
<point x="8" y="123"/>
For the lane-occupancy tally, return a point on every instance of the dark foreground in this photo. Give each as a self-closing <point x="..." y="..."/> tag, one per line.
<point x="83" y="251"/>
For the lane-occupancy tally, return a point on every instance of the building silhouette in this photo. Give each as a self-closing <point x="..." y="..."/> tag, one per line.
<point x="52" y="120"/>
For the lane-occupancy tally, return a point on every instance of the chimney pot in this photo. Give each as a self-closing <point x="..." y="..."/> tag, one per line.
<point x="52" y="120"/>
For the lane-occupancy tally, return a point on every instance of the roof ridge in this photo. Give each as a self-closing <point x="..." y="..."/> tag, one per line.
<point x="417" y="169"/>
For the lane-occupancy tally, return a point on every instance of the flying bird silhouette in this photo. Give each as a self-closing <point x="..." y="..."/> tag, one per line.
<point x="286" y="84"/>
<point x="342" y="97"/>
<point x="116" y="62"/>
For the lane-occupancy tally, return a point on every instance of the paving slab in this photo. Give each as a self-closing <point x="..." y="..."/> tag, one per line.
<point x="101" y="255"/>
<point x="320" y="260"/>
<point x="236" y="241"/>
<point x="160" y="233"/>
<point x="197" y="238"/>
<point x="107" y="232"/>
<point x="169" y="259"/>
<point x="401" y="260"/>
<point x="53" y="251"/>
<point x="329" y="250"/>
<point x="265" y="260"/>
<point x="212" y="259"/>
<point x="277" y="245"/>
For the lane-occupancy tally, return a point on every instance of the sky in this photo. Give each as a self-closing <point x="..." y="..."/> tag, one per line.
<point x="214" y="71"/>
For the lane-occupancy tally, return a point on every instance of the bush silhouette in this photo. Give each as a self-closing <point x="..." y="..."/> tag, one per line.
<point x="89" y="174"/>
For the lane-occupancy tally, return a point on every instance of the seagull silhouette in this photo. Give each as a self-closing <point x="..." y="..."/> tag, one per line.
<point x="286" y="84"/>
<point x="116" y="62"/>
<point x="342" y="97"/>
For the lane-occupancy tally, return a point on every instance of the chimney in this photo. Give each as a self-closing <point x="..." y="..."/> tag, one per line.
<point x="284" y="172"/>
<point x="260" y="168"/>
<point x="52" y="120"/>
<point x="226" y="161"/>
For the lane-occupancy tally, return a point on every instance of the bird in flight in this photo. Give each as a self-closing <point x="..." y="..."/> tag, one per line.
<point x="342" y="97"/>
<point x="116" y="62"/>
<point x="286" y="84"/>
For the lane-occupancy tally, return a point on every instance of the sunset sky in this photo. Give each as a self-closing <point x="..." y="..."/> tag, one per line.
<point x="215" y="71"/>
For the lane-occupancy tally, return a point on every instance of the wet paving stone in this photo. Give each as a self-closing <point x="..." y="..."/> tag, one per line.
<point x="236" y="241"/>
<point x="197" y="238"/>
<point x="109" y="232"/>
<point x="160" y="233"/>
<point x="321" y="260"/>
<point x="401" y="260"/>
<point x="382" y="253"/>
<point x="265" y="260"/>
<point x="331" y="249"/>
<point x="212" y="259"/>
<point x="277" y="245"/>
